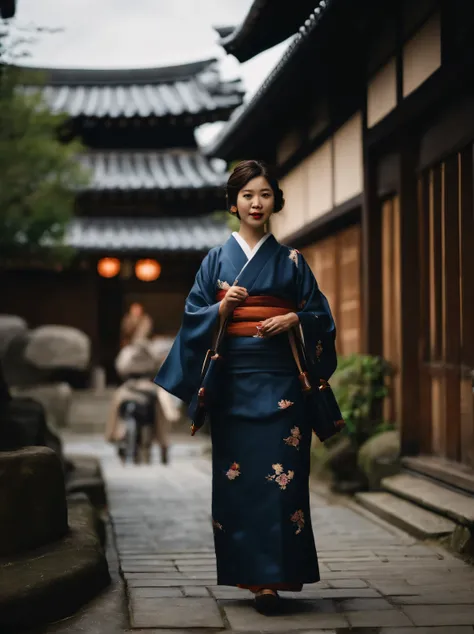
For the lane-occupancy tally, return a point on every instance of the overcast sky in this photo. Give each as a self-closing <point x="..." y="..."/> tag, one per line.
<point x="140" y="33"/>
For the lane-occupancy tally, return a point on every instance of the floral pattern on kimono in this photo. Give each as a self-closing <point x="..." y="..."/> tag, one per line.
<point x="319" y="349"/>
<point x="280" y="477"/>
<point x="216" y="526"/>
<point x="294" y="256"/>
<point x="294" y="439"/>
<point x="234" y="471"/>
<point x="298" y="519"/>
<point x="284" y="404"/>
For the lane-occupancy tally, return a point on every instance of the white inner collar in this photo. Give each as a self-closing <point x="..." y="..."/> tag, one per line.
<point x="245" y="247"/>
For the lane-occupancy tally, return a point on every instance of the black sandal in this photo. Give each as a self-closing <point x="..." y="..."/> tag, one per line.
<point x="267" y="602"/>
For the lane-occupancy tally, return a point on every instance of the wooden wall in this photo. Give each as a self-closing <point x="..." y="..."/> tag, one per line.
<point x="391" y="317"/>
<point x="165" y="308"/>
<point x="447" y="307"/>
<point x="330" y="176"/>
<point x="335" y="261"/>
<point x="49" y="297"/>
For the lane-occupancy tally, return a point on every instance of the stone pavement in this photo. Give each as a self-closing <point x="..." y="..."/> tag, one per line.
<point x="375" y="578"/>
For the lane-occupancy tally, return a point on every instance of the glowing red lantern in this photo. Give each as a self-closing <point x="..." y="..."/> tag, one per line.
<point x="147" y="270"/>
<point x="108" y="267"/>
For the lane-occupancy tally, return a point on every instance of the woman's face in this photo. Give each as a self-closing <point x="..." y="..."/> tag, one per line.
<point x="255" y="202"/>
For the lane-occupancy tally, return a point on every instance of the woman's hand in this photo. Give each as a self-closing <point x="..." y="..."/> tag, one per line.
<point x="277" y="325"/>
<point x="234" y="297"/>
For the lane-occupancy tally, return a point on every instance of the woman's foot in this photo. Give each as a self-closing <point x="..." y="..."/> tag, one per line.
<point x="267" y="602"/>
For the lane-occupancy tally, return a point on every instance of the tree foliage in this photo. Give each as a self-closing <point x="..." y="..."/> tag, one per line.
<point x="39" y="174"/>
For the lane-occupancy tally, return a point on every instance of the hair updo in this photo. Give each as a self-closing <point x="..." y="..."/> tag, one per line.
<point x="243" y="173"/>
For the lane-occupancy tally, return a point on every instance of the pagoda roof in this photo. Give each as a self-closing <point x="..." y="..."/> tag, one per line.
<point x="191" y="234"/>
<point x="267" y="23"/>
<point x="185" y="89"/>
<point x="130" y="170"/>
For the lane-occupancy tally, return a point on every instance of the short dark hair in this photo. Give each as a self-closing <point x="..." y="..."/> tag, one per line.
<point x="243" y="173"/>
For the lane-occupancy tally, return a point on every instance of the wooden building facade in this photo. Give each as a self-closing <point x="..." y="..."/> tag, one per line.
<point x="151" y="196"/>
<point x="369" y="117"/>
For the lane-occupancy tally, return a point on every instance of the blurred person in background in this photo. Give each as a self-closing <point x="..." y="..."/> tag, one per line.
<point x="136" y="325"/>
<point x="141" y="412"/>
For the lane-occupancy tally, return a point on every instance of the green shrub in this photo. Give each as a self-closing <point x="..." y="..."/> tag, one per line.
<point x="359" y="386"/>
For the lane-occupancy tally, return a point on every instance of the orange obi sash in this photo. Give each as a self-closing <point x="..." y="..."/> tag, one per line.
<point x="256" y="308"/>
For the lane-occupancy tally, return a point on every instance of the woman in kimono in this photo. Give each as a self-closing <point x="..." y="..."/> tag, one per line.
<point x="260" y="424"/>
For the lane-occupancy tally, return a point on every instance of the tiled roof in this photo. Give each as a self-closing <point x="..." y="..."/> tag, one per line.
<point x="148" y="170"/>
<point x="267" y="23"/>
<point x="146" y="234"/>
<point x="222" y="144"/>
<point x="145" y="92"/>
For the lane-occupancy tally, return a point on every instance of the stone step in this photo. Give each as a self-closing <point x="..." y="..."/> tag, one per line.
<point x="414" y="520"/>
<point x="53" y="582"/>
<point x="451" y="473"/>
<point x="432" y="496"/>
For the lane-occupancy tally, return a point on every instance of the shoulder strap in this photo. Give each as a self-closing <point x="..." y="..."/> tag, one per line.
<point x="303" y="374"/>
<point x="294" y="350"/>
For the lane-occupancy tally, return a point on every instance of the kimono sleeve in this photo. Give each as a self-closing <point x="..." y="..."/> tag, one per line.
<point x="317" y="323"/>
<point x="181" y="371"/>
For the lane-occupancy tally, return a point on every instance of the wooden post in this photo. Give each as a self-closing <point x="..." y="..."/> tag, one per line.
<point x="371" y="305"/>
<point x="409" y="299"/>
<point x="425" y="410"/>
<point x="466" y="234"/>
<point x="451" y="341"/>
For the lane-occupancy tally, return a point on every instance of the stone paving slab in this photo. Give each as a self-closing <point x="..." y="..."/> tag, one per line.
<point x="165" y="583"/>
<point x="155" y="593"/>
<point x="438" y="598"/>
<point x="377" y="618"/>
<point x="300" y="615"/>
<point x="175" y="612"/>
<point x="441" y="614"/>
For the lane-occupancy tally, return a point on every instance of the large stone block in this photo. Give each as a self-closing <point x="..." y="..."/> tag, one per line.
<point x="10" y="325"/>
<point x="33" y="509"/>
<point x="42" y="355"/>
<point x="379" y="457"/>
<point x="53" y="582"/>
<point x="52" y="347"/>
<point x="341" y="459"/>
<point x="24" y="424"/>
<point x="56" y="398"/>
<point x="17" y="369"/>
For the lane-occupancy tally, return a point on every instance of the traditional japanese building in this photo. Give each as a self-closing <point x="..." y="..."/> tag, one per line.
<point x="368" y="117"/>
<point x="143" y="224"/>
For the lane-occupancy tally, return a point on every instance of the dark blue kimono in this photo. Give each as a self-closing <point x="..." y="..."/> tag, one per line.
<point x="260" y="424"/>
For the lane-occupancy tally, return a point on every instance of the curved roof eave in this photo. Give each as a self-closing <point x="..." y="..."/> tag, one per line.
<point x="265" y="25"/>
<point x="121" y="76"/>
<point x="194" y="89"/>
<point x="221" y="146"/>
